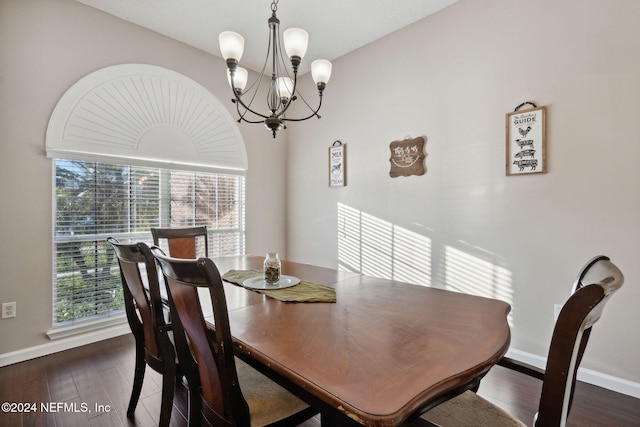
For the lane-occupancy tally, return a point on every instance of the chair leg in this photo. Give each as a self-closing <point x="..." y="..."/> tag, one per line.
<point x="168" y="389"/>
<point x="326" y="420"/>
<point x="138" y="378"/>
<point x="195" y="407"/>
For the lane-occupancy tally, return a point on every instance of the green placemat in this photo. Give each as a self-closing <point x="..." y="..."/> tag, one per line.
<point x="302" y="292"/>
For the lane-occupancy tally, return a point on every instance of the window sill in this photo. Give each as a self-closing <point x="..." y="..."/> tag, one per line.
<point x="86" y="326"/>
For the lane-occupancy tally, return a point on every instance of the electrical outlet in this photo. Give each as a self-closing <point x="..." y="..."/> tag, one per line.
<point x="8" y="310"/>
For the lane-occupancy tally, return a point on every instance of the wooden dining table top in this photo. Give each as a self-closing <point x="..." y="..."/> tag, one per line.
<point x="383" y="351"/>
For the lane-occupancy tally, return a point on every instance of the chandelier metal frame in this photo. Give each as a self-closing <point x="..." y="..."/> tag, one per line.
<point x="282" y="88"/>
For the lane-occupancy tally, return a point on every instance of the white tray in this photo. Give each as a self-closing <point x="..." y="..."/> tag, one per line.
<point x="259" y="283"/>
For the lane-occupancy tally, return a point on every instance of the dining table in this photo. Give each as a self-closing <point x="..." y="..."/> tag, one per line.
<point x="380" y="355"/>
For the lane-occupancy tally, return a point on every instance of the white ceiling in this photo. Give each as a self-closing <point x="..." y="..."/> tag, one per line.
<point x="335" y="27"/>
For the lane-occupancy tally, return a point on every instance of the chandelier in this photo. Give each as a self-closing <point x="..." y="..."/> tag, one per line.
<point x="282" y="88"/>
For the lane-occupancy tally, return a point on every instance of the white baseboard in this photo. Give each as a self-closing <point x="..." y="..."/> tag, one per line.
<point x="609" y="382"/>
<point x="63" y="344"/>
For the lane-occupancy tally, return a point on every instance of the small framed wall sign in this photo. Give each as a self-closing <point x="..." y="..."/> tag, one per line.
<point x="407" y="157"/>
<point x="526" y="151"/>
<point x="337" y="164"/>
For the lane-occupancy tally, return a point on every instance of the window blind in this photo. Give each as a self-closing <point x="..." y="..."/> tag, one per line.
<point x="96" y="200"/>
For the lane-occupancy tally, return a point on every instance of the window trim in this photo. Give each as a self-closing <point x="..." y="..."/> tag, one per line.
<point x="109" y="319"/>
<point x="179" y="125"/>
<point x="84" y="326"/>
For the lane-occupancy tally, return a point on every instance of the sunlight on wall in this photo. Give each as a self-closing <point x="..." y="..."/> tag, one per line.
<point x="473" y="275"/>
<point x="375" y="247"/>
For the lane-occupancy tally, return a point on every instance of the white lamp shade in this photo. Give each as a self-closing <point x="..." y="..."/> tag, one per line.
<point x="295" y="42"/>
<point x="321" y="71"/>
<point x="231" y="45"/>
<point x="285" y="87"/>
<point x="240" y="78"/>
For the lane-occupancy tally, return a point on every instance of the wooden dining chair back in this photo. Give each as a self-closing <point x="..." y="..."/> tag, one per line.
<point x="231" y="392"/>
<point x="190" y="242"/>
<point x="593" y="270"/>
<point x="143" y="306"/>
<point x="598" y="280"/>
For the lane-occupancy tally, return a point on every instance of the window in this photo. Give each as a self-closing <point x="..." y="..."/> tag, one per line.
<point x="96" y="200"/>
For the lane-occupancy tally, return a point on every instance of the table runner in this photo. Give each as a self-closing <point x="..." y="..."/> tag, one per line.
<point x="302" y="292"/>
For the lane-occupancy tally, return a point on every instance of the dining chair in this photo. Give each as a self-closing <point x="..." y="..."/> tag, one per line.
<point x="182" y="242"/>
<point x="143" y="306"/>
<point x="596" y="282"/>
<point x="232" y="393"/>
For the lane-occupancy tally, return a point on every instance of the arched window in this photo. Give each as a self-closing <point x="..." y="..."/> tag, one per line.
<point x="136" y="146"/>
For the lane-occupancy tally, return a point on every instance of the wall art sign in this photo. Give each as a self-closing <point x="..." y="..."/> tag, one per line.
<point x="526" y="145"/>
<point x="337" y="164"/>
<point x="407" y="157"/>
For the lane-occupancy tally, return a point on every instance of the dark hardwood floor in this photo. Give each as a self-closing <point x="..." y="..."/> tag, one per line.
<point x="90" y="386"/>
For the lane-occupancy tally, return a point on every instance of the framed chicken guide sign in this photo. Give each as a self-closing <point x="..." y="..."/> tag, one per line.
<point x="526" y="145"/>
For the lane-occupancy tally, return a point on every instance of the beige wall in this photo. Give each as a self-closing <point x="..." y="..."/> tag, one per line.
<point x="452" y="78"/>
<point x="45" y="47"/>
